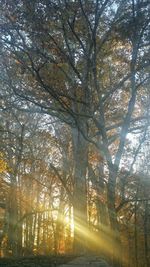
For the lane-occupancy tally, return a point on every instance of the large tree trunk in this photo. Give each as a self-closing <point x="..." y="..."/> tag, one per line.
<point x="80" y="150"/>
<point x="115" y="244"/>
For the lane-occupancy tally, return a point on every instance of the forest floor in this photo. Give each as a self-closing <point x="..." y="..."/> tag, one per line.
<point x="36" y="261"/>
<point x="87" y="261"/>
<point x="54" y="261"/>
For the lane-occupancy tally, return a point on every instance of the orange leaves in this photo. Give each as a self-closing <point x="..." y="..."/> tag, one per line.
<point x="95" y="157"/>
<point x="3" y="164"/>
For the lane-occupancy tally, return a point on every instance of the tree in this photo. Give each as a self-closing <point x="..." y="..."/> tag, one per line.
<point x="82" y="61"/>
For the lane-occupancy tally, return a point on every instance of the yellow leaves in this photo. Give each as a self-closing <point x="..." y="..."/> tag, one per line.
<point x="3" y="163"/>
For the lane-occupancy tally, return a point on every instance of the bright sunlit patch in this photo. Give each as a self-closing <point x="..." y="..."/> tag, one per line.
<point x="104" y="241"/>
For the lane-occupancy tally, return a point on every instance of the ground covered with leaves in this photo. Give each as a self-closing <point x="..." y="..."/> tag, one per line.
<point x="36" y="261"/>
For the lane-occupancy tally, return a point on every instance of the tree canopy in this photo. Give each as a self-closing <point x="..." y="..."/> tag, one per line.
<point x="75" y="119"/>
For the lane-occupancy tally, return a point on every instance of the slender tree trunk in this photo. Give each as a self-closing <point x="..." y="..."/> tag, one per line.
<point x="38" y="232"/>
<point x="60" y="222"/>
<point x="34" y="229"/>
<point x="19" y="239"/>
<point x="13" y="218"/>
<point x="30" y="244"/>
<point x="135" y="234"/>
<point x="19" y="225"/>
<point x="68" y="243"/>
<point x="146" y="235"/>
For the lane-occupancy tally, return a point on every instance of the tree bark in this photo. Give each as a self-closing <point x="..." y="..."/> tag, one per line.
<point x="80" y="150"/>
<point x="12" y="221"/>
<point x="115" y="245"/>
<point x="146" y="215"/>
